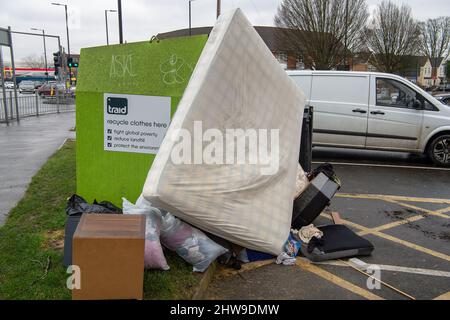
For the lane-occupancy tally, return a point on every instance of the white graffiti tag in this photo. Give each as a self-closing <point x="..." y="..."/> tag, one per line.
<point x="171" y="69"/>
<point x="121" y="66"/>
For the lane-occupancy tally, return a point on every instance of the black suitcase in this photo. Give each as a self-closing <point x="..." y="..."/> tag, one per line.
<point x="337" y="242"/>
<point x="71" y="226"/>
<point x="75" y="207"/>
<point x="309" y="205"/>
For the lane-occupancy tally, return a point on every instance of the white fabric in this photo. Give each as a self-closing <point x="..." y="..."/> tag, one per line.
<point x="285" y="259"/>
<point x="237" y="83"/>
<point x="305" y="234"/>
<point x="302" y="182"/>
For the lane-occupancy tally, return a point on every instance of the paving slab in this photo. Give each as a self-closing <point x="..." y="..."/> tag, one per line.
<point x="25" y="147"/>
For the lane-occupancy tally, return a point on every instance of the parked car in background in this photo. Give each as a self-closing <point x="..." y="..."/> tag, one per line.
<point x="378" y="111"/>
<point x="72" y="91"/>
<point x="38" y="84"/>
<point x="442" y="88"/>
<point x="443" y="98"/>
<point x="9" y="85"/>
<point x="51" y="89"/>
<point x="27" y="87"/>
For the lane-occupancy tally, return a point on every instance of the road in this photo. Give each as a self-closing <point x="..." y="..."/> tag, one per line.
<point x="25" y="147"/>
<point x="399" y="202"/>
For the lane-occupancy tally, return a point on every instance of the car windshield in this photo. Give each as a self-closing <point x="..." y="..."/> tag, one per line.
<point x="27" y="82"/>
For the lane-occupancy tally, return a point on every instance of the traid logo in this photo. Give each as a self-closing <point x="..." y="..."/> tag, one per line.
<point x="117" y="106"/>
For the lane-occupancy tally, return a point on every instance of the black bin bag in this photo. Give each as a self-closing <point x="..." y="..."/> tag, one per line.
<point x="75" y="207"/>
<point x="309" y="205"/>
<point x="338" y="242"/>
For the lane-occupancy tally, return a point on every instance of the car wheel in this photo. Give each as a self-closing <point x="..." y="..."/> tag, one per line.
<point x="439" y="150"/>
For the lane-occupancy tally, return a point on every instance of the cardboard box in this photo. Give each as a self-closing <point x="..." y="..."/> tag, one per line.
<point x="109" y="250"/>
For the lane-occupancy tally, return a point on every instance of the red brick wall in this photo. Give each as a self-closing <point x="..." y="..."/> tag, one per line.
<point x="291" y="62"/>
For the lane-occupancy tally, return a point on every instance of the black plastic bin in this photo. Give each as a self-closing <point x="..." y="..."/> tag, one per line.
<point x="305" y="158"/>
<point x="316" y="197"/>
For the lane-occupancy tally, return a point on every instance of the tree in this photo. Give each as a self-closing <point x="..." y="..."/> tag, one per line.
<point x="435" y="41"/>
<point x="323" y="32"/>
<point x="34" y="61"/>
<point x="394" y="33"/>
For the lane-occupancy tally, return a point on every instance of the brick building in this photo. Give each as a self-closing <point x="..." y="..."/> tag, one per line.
<point x="287" y="60"/>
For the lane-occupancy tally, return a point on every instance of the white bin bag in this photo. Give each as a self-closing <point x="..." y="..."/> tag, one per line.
<point x="200" y="176"/>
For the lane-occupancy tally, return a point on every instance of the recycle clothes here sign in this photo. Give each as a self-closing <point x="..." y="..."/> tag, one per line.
<point x="126" y="97"/>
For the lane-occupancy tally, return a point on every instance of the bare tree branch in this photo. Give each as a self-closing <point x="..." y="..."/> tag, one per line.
<point x="394" y="33"/>
<point x="435" y="41"/>
<point x="34" y="61"/>
<point x="323" y="32"/>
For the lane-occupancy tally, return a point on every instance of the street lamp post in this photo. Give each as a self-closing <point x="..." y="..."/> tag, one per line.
<point x="45" y="51"/>
<point x="190" y="21"/>
<point x="106" y="22"/>
<point x="219" y="4"/>
<point x="119" y="9"/>
<point x="68" y="41"/>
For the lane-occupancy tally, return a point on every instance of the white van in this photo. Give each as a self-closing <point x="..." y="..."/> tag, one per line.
<point x="367" y="110"/>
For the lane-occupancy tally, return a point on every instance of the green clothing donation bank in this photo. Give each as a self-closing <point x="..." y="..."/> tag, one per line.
<point x="126" y="97"/>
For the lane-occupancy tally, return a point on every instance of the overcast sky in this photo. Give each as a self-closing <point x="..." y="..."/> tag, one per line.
<point x="141" y="19"/>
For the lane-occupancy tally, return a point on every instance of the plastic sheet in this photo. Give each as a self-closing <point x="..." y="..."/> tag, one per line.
<point x="190" y="243"/>
<point x="153" y="254"/>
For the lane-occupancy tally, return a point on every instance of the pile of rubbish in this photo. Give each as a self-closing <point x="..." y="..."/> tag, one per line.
<point x="163" y="230"/>
<point x="235" y="211"/>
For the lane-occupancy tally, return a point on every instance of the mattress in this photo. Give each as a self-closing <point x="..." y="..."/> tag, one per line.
<point x="228" y="163"/>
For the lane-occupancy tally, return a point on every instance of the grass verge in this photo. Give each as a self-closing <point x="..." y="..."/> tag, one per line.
<point x="31" y="242"/>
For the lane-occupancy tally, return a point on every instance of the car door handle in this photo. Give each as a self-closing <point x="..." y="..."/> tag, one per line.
<point x="359" y="111"/>
<point x="378" y="112"/>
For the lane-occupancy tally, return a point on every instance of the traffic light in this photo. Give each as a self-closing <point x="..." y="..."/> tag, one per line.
<point x="57" y="61"/>
<point x="71" y="63"/>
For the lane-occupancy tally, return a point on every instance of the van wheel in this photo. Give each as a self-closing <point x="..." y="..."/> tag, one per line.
<point x="439" y="150"/>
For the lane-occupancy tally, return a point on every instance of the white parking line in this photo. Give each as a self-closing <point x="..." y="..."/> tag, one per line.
<point x="382" y="165"/>
<point x="362" y="265"/>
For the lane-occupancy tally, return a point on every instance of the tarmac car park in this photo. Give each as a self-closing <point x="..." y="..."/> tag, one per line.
<point x="399" y="202"/>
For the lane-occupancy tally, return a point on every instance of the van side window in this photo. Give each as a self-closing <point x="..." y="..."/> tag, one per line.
<point x="391" y="93"/>
<point x="426" y="105"/>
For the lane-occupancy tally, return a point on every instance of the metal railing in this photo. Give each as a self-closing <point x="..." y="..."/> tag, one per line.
<point x="34" y="105"/>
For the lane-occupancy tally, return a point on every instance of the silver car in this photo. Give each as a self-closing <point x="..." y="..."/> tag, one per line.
<point x="27" y="86"/>
<point x="9" y="85"/>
